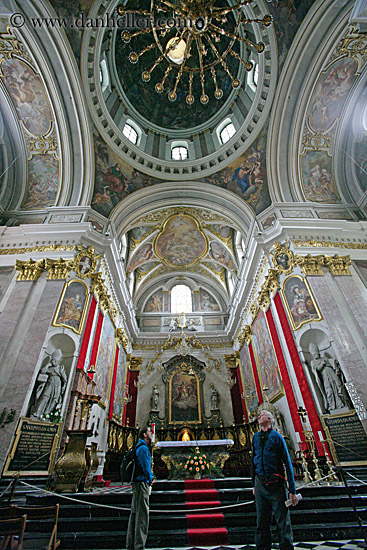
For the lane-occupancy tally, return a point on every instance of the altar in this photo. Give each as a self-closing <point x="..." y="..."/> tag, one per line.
<point x="174" y="454"/>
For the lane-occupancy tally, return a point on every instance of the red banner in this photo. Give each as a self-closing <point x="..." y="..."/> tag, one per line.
<point x="113" y="387"/>
<point x="299" y="372"/>
<point x="87" y="333"/>
<point x="285" y="376"/>
<point x="97" y="336"/>
<point x="256" y="376"/>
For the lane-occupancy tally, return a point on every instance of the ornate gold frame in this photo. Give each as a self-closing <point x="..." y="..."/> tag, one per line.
<point x="13" y="449"/>
<point x="84" y="312"/>
<point x="175" y="422"/>
<point x="121" y="348"/>
<point x="162" y="231"/>
<point x="331" y="443"/>
<point x="303" y="279"/>
<point x="281" y="392"/>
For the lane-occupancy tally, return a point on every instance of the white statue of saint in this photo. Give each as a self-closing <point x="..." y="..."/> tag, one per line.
<point x="328" y="380"/>
<point x="52" y="381"/>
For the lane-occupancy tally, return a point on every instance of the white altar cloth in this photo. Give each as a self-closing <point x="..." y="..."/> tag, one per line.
<point x="194" y="443"/>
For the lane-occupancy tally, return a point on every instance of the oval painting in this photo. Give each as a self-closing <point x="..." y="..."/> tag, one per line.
<point x="181" y="243"/>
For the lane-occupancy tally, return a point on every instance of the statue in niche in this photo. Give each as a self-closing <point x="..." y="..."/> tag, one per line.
<point x="155" y="399"/>
<point x="52" y="381"/>
<point x="214" y="398"/>
<point x="329" y="379"/>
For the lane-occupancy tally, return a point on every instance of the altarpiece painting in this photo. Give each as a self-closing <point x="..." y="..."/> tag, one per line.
<point x="270" y="379"/>
<point x="104" y="359"/>
<point x="72" y="307"/>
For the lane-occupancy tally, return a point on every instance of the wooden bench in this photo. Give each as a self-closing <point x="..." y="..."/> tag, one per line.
<point x="36" y="514"/>
<point x="12" y="533"/>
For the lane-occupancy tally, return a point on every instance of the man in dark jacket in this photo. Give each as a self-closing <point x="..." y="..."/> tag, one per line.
<point x="137" y="530"/>
<point x="269" y="456"/>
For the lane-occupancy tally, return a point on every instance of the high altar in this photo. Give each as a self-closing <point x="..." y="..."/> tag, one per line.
<point x="174" y="453"/>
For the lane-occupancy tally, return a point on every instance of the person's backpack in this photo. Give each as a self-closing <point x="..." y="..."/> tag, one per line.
<point x="129" y="467"/>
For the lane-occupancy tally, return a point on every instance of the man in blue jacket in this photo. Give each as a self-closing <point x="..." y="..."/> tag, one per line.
<point x="269" y="456"/>
<point x="137" y="530"/>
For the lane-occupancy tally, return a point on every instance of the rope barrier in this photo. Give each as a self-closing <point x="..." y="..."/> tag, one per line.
<point x="8" y="487"/>
<point x="162" y="511"/>
<point x="356" y="478"/>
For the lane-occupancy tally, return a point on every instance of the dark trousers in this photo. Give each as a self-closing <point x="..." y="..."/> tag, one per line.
<point x="272" y="501"/>
<point x="137" y="530"/>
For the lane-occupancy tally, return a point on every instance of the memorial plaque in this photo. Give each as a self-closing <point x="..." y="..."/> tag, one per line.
<point x="34" y="448"/>
<point x="348" y="440"/>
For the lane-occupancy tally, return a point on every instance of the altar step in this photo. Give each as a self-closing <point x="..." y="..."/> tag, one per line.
<point x="323" y="514"/>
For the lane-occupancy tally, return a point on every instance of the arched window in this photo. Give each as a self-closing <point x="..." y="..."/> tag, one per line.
<point x="179" y="153"/>
<point x="181" y="299"/>
<point x="228" y="131"/>
<point x="130" y="133"/>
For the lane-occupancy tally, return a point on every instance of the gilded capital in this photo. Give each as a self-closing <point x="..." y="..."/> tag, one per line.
<point x="122" y="339"/>
<point x="338" y="265"/>
<point x="134" y="363"/>
<point x="231" y="360"/>
<point x="310" y="265"/>
<point x="59" y="269"/>
<point x="29" y="270"/>
<point x="244" y="336"/>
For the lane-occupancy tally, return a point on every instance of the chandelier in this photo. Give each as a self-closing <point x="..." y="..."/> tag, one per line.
<point x="191" y="41"/>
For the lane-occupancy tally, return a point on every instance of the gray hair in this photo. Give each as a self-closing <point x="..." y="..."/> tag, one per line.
<point x="269" y="415"/>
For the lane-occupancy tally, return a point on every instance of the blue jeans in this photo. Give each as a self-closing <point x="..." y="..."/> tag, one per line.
<point x="272" y="501"/>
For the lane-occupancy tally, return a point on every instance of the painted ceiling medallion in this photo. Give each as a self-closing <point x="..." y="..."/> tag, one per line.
<point x="181" y="243"/>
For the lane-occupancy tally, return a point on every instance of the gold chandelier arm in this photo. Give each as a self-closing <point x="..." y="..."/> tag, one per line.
<point x="224" y="11"/>
<point x="122" y="11"/>
<point x="259" y="47"/>
<point x="218" y="94"/>
<point x="159" y="86"/>
<point x="133" y="56"/>
<point x="175" y="9"/>
<point x="247" y="64"/>
<point x="172" y="95"/>
<point x="235" y="81"/>
<point x="126" y="36"/>
<point x="199" y="44"/>
<point x="266" y="20"/>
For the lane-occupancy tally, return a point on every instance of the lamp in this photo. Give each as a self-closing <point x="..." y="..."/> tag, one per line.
<point x="191" y="38"/>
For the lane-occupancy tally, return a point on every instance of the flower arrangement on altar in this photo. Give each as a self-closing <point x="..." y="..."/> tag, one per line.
<point x="197" y="465"/>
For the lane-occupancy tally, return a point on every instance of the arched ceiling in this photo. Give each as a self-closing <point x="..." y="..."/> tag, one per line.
<point x="300" y="140"/>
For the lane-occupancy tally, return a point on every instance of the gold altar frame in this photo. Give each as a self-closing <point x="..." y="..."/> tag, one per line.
<point x="170" y="397"/>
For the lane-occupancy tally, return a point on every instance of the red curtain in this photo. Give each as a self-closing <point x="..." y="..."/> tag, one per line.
<point x="97" y="336"/>
<point x="285" y="376"/>
<point x="113" y="387"/>
<point x="87" y="332"/>
<point x="238" y="405"/>
<point x="130" y="409"/>
<point x="301" y="377"/>
<point x="256" y="376"/>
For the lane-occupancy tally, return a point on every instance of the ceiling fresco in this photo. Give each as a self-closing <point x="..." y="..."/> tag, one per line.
<point x="324" y="112"/>
<point x="27" y="92"/>
<point x="115" y="179"/>
<point x="180" y="240"/>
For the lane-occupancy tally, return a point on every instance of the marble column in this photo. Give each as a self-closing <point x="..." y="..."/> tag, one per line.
<point x="23" y="327"/>
<point x="343" y="330"/>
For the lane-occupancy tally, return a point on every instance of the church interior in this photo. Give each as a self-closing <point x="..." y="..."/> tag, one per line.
<point x="183" y="209"/>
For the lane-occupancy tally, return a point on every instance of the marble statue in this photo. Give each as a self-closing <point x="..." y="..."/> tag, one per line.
<point x="328" y="379"/>
<point x="172" y="325"/>
<point x="52" y="381"/>
<point x="214" y="398"/>
<point x="155" y="398"/>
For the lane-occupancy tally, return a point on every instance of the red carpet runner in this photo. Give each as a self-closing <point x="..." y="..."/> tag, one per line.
<point x="207" y="528"/>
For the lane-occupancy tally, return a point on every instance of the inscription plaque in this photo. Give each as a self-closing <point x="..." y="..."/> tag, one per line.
<point x="348" y="440"/>
<point x="33" y="450"/>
